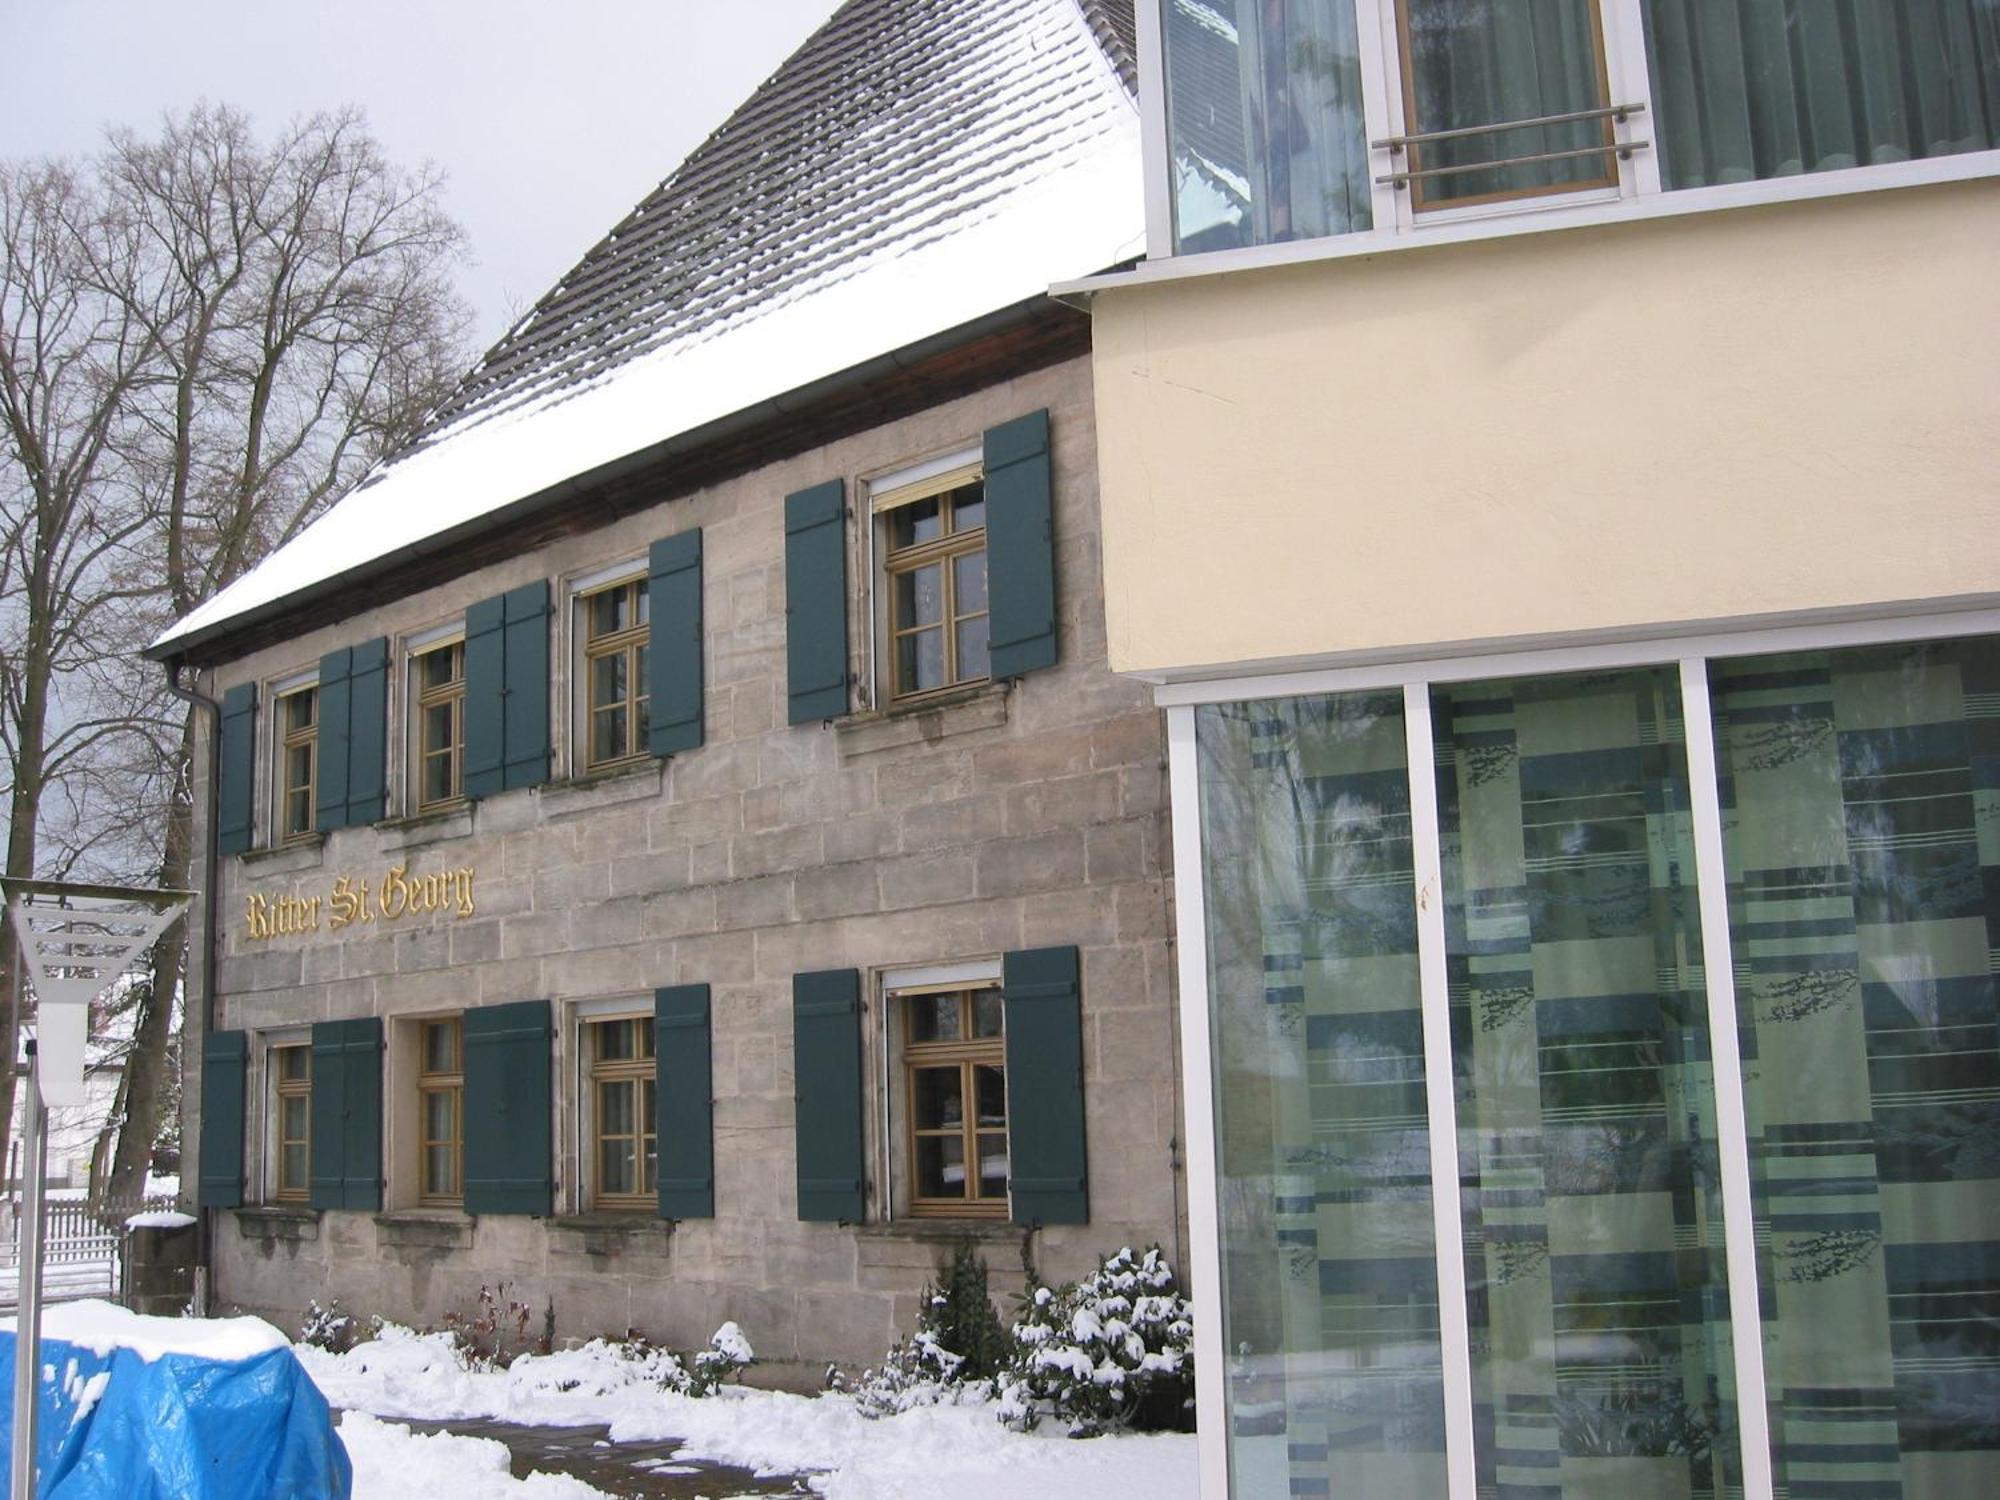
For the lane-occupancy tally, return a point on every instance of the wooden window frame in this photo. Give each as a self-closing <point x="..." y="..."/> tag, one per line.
<point x="450" y="1083"/>
<point x="451" y="696"/>
<point x="288" y="740"/>
<point x="284" y="1088"/>
<point x="631" y="643"/>
<point x="637" y="1070"/>
<point x="968" y="1054"/>
<point x="944" y="550"/>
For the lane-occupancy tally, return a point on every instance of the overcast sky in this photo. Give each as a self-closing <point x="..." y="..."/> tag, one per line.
<point x="552" y="117"/>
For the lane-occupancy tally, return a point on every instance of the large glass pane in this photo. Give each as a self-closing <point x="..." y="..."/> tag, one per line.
<point x="1264" y="121"/>
<point x="1329" y="1277"/>
<point x="1861" y="827"/>
<point x="1768" y="88"/>
<point x="1592" y="1214"/>
<point x="1472" y="63"/>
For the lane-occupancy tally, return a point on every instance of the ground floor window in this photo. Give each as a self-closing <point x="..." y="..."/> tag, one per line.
<point x="291" y="1111"/>
<point x="954" y="1098"/>
<point x="624" y="1113"/>
<point x="1699" y="1026"/>
<point x="440" y="1112"/>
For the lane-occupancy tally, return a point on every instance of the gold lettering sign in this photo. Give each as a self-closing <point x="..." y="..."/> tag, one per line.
<point x="398" y="894"/>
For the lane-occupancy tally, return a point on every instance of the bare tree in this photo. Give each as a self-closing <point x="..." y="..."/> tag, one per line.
<point x="204" y="339"/>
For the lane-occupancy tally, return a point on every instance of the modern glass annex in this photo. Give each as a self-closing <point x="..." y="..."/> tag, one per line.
<point x="1604" y="1069"/>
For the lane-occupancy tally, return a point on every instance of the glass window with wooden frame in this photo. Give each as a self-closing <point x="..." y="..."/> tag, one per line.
<point x="438" y="675"/>
<point x="617" y="622"/>
<point x="291" y="1111"/>
<point x="440" y="1112"/>
<point x="625" y="1145"/>
<point x="298" y="761"/>
<point x="934" y="564"/>
<point x="955" y="1100"/>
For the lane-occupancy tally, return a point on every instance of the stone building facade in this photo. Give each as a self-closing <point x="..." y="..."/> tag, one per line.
<point x="682" y="855"/>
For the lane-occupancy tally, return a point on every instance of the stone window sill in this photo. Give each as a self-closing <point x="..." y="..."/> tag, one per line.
<point x="308" y="853"/>
<point x="608" y="1234"/>
<point x="418" y="829"/>
<point x="273" y="1221"/>
<point x="429" y="1229"/>
<point x="945" y="1231"/>
<point x="925" y="722"/>
<point x="593" y="789"/>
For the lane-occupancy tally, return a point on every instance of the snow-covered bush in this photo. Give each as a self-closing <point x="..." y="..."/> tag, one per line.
<point x="329" y="1328"/>
<point x="603" y="1367"/>
<point x="957" y="1349"/>
<point x="1115" y="1349"/>
<point x="728" y="1352"/>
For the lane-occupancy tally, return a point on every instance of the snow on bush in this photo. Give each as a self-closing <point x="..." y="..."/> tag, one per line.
<point x="329" y="1328"/>
<point x="1115" y="1349"/>
<point x="953" y="1356"/>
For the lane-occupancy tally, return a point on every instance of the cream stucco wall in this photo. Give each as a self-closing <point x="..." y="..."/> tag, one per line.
<point x="1720" y="416"/>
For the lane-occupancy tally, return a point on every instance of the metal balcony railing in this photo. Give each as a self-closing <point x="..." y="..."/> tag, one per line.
<point x="1395" y="144"/>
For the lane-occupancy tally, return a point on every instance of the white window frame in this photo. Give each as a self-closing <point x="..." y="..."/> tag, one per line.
<point x="1691" y="654"/>
<point x="879" y="493"/>
<point x="574" y="640"/>
<point x="269" y="1042"/>
<point x="886" y="1035"/>
<point x="1639" y="194"/>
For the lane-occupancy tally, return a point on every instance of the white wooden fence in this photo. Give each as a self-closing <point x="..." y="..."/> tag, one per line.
<point x="82" y="1248"/>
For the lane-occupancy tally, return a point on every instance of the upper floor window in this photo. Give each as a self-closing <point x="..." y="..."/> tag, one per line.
<point x="617" y="623"/>
<point x="438" y="677"/>
<point x="934" y="566"/>
<point x="1293" y="119"/>
<point x="298" y="761"/>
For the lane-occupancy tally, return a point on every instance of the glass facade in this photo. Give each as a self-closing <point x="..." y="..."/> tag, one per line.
<point x="1267" y="101"/>
<point x="1859" y="796"/>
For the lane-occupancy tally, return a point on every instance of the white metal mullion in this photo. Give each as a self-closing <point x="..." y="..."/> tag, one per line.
<point x="1204" y="1187"/>
<point x="1632" y="83"/>
<point x="1381" y="106"/>
<point x="1454" y="1326"/>
<point x="1155" y="151"/>
<point x="1746" y="1326"/>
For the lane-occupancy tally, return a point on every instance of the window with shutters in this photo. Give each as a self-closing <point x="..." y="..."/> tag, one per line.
<point x="624" y="1156"/>
<point x="952" y="1095"/>
<point x="931" y="538"/>
<point x="437" y="684"/>
<point x="441" y="1112"/>
<point x="614" y="633"/>
<point x="297" y="749"/>
<point x="290" y="1068"/>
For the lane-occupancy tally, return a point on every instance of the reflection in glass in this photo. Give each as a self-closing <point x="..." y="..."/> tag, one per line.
<point x="1264" y="121"/>
<point x="1861" y="823"/>
<point x="1590" y="1197"/>
<point x="1328" y="1267"/>
<point x="940" y="1166"/>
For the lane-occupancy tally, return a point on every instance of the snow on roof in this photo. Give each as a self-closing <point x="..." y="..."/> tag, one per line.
<point x="915" y="166"/>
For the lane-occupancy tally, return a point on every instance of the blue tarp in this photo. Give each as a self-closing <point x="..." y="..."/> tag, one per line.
<point x="179" y="1427"/>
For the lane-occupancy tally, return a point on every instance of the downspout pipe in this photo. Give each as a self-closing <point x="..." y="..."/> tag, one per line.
<point x="209" y="931"/>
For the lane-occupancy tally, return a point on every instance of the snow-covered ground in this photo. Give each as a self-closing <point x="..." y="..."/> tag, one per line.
<point x="957" y="1450"/>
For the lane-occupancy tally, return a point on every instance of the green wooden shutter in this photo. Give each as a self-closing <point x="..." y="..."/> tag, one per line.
<point x="330" y="772"/>
<point x="1047" y="1176"/>
<point x="507" y="691"/>
<point x="826" y="1062"/>
<point x="346" y="1149"/>
<point x="485" y="685"/>
<point x="368" y="733"/>
<point x="236" y="769"/>
<point x="684" y="1101"/>
<point x="509" y="1115"/>
<point x="1020" y="546"/>
<point x="816" y="602"/>
<point x="526" y="707"/>
<point x="673" y="657"/>
<point x="223" y="1057"/>
<point x="353" y="735"/>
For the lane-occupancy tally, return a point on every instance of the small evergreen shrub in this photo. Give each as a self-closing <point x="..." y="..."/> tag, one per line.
<point x="957" y="1350"/>
<point x="1115" y="1349"/>
<point x="329" y="1328"/>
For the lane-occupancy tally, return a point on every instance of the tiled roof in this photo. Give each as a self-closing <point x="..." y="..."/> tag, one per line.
<point x="895" y="118"/>
<point x="916" y="166"/>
